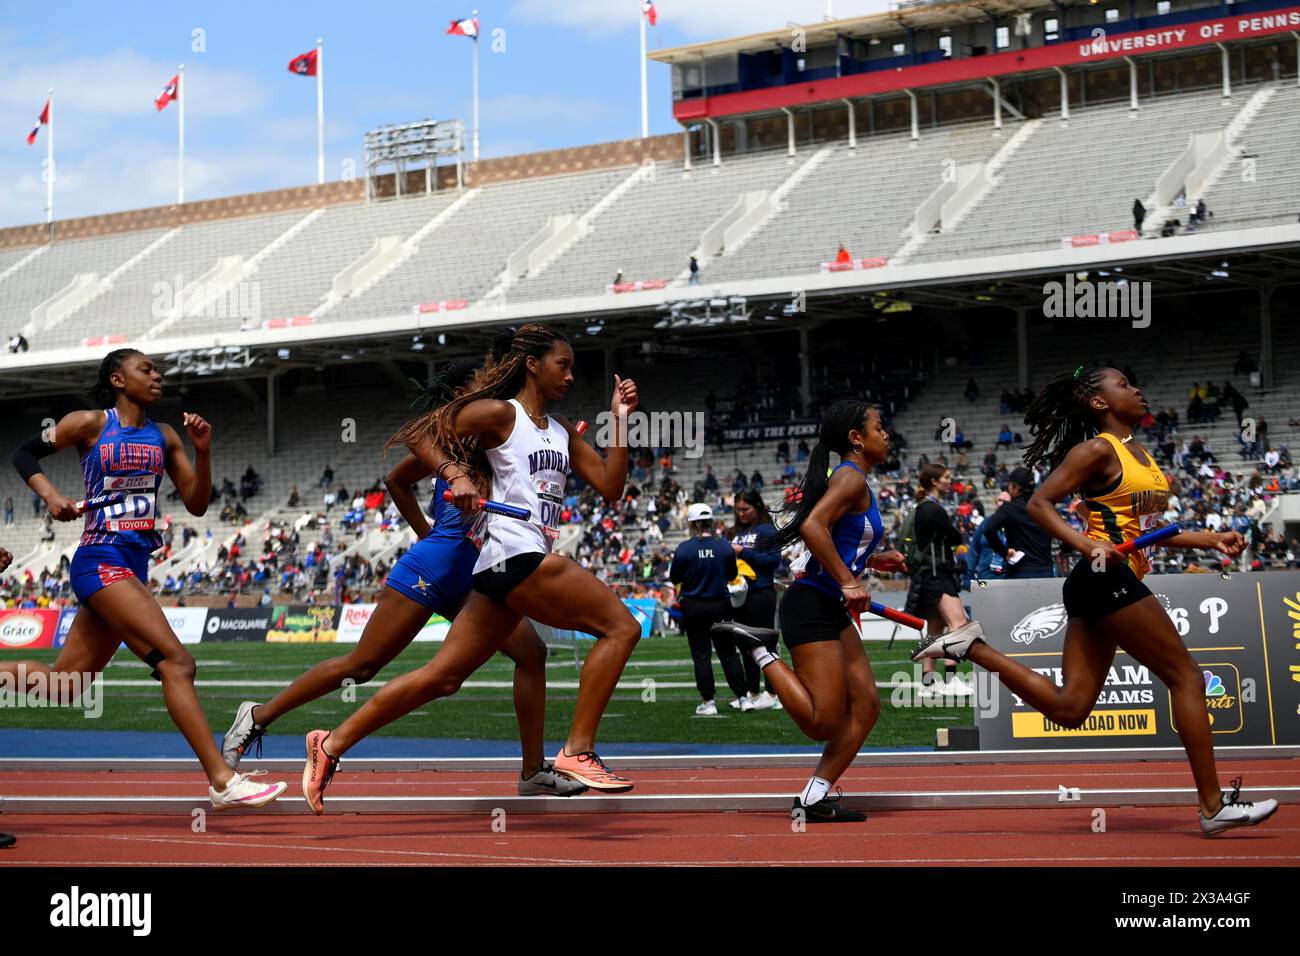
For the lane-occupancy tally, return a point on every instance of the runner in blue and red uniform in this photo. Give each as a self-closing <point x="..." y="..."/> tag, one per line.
<point x="124" y="454"/>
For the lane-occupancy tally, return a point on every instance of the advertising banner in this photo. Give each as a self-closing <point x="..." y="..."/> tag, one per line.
<point x="354" y="617"/>
<point x="303" y="624"/>
<point x="1243" y="631"/>
<point x="224" y="625"/>
<point x="28" y="627"/>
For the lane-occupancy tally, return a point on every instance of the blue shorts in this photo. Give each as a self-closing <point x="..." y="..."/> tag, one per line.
<point x="96" y="566"/>
<point x="435" y="573"/>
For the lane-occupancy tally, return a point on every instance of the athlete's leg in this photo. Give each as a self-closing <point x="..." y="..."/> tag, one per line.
<point x="863" y="710"/>
<point x="1085" y="662"/>
<point x="560" y="593"/>
<point x="527" y="650"/>
<point x="1145" y="631"/>
<point x="812" y="692"/>
<point x="131" y="612"/>
<point x="87" y="650"/>
<point x="478" y="632"/>
<point x="393" y="625"/>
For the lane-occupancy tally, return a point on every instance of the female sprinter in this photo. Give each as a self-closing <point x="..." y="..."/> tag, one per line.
<point x="831" y="691"/>
<point x="751" y="537"/>
<point x="1083" y="426"/>
<point x="122" y="450"/>
<point x="434" y="575"/>
<point x="519" y="455"/>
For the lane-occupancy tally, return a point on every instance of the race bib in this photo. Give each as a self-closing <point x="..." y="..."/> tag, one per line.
<point x="550" y="502"/>
<point x="138" y="511"/>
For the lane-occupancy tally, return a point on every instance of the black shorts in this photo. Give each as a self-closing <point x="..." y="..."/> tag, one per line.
<point x="499" y="580"/>
<point x="810" y="615"/>
<point x="759" y="609"/>
<point x="1093" y="594"/>
<point x="928" y="587"/>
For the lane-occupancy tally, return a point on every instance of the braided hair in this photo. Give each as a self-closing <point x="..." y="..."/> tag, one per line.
<point x="102" y="393"/>
<point x="502" y="377"/>
<point x="837" y="421"/>
<point x="444" y="386"/>
<point x="1060" y="417"/>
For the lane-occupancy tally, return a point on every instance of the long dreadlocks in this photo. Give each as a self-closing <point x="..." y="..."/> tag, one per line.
<point x="1060" y="417"/>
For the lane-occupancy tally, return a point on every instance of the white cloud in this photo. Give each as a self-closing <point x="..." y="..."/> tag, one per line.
<point x="698" y="19"/>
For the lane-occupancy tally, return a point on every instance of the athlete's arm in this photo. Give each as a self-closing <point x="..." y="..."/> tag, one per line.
<point x="1086" y="464"/>
<point x="193" y="481"/>
<point x="489" y="418"/>
<point x="75" y="430"/>
<point x="401" y="483"/>
<point x="844" y="492"/>
<point x="1231" y="543"/>
<point x="607" y="475"/>
<point x="990" y="528"/>
<point x="465" y="494"/>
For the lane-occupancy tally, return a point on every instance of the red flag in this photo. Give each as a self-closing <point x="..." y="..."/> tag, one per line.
<point x="43" y="121"/>
<point x="464" y="28"/>
<point x="648" y="9"/>
<point x="305" y="64"/>
<point x="170" y="92"/>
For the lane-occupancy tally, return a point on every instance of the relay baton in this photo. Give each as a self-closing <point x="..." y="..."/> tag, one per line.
<point x="101" y="501"/>
<point x="1148" y="539"/>
<point x="898" y="617"/>
<point x="580" y="428"/>
<point x="496" y="507"/>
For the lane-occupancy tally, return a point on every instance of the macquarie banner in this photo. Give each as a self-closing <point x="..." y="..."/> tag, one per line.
<point x="354" y="617"/>
<point x="28" y="627"/>
<point x="1243" y="632"/>
<point x="303" y="624"/>
<point x="224" y="625"/>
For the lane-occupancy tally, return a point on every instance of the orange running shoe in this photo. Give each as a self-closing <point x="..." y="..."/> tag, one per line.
<point x="318" y="773"/>
<point x="589" y="769"/>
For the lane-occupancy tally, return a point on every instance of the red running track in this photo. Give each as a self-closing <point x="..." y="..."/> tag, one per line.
<point x="1148" y="836"/>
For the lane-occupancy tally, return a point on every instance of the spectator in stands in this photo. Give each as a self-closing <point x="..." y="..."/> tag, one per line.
<point x="618" y="279"/>
<point x="843" y="257"/>
<point x="1244" y="364"/>
<point x="294" y="497"/>
<point x="982" y="562"/>
<point x="756" y="480"/>
<point x="710" y="480"/>
<point x="36" y="505"/>
<point x="972" y="390"/>
<point x="1236" y="400"/>
<point x="1005" y="437"/>
<point x="9" y="509"/>
<point x="695" y="271"/>
<point x="1139" y="215"/>
<point x="802" y="451"/>
<point x="326" y="478"/>
<point x="1028" y="548"/>
<point x="783" y="450"/>
<point x="329" y="501"/>
<point x="1170" y="228"/>
<point x="738" y="484"/>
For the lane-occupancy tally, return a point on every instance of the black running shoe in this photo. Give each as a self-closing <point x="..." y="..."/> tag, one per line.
<point x="747" y="638"/>
<point x="827" y="810"/>
<point x="7" y="840"/>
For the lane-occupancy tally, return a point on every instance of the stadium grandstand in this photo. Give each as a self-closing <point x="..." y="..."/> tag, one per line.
<point x="897" y="187"/>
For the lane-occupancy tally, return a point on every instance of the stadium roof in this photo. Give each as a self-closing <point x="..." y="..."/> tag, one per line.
<point x="919" y="15"/>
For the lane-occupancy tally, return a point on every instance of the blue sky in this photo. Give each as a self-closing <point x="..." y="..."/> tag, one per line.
<point x="568" y="76"/>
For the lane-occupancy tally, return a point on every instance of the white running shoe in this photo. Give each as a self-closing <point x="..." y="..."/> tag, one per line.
<point x="242" y="735"/>
<point x="765" y="701"/>
<point x="954" y="645"/>
<point x="549" y="783"/>
<point x="958" y="687"/>
<point x="745" y="703"/>
<point x="707" y="709"/>
<point x="1236" y="812"/>
<point x="244" y="791"/>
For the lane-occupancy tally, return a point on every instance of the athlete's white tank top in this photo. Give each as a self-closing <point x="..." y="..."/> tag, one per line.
<point x="529" y="469"/>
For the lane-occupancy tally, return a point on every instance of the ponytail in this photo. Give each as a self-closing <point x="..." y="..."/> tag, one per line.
<point x="837" y="421"/>
<point x="102" y="393"/>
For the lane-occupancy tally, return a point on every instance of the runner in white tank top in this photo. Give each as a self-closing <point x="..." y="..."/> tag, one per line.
<point x="529" y="469"/>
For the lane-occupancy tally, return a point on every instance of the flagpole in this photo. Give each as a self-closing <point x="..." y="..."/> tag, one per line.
<point x="645" y="107"/>
<point x="180" y="158"/>
<point x="49" y="167"/>
<point x="476" y="33"/>
<point x="320" y="111"/>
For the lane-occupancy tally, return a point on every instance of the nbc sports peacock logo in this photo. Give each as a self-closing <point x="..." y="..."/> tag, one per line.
<point x="1039" y="624"/>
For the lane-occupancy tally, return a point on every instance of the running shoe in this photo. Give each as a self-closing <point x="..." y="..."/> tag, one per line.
<point x="954" y="645"/>
<point x="826" y="810"/>
<point x="546" y="782"/>
<point x="242" y="735"/>
<point x="747" y="638"/>
<point x="707" y="709"/>
<point x="764" y="701"/>
<point x="318" y="772"/>
<point x="7" y="840"/>
<point x="1236" y="812"/>
<point x="590" y="769"/>
<point x="244" y="791"/>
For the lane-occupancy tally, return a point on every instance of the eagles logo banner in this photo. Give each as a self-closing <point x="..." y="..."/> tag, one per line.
<point x="1243" y="631"/>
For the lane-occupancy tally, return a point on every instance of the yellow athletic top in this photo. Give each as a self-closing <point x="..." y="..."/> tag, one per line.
<point x="1129" y="507"/>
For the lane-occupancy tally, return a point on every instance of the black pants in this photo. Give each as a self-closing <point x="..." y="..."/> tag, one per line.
<point x="698" y="616"/>
<point x="759" y="610"/>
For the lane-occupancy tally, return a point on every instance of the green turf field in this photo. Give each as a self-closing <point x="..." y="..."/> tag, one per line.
<point x="642" y="711"/>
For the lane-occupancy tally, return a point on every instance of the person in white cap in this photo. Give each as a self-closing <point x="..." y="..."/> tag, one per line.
<point x="700" y="570"/>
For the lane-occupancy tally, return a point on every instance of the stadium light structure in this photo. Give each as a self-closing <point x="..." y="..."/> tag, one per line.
<point x="418" y="144"/>
<point x="711" y="311"/>
<point x="208" y="361"/>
